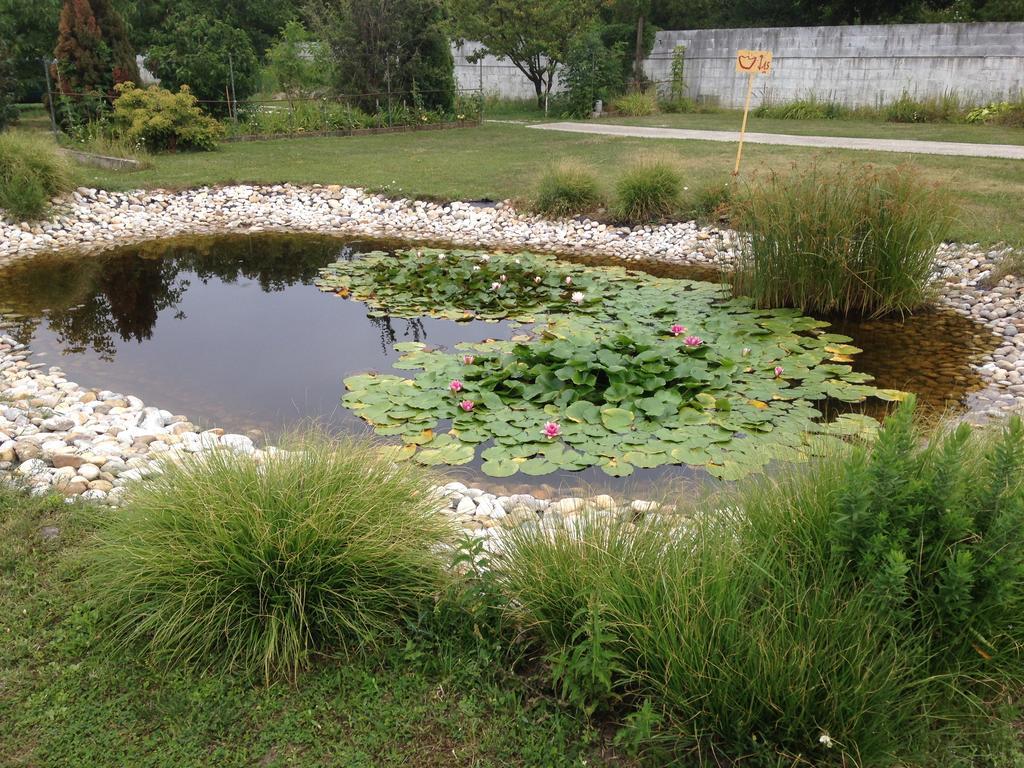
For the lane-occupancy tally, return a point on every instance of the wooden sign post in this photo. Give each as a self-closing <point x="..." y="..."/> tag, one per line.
<point x="753" y="63"/>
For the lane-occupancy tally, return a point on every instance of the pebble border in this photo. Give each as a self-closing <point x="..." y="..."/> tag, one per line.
<point x="87" y="443"/>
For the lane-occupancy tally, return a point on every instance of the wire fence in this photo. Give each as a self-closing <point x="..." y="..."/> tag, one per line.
<point x="335" y="114"/>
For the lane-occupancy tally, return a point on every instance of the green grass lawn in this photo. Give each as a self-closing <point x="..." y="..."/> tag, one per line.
<point x="499" y="161"/>
<point x="67" y="701"/>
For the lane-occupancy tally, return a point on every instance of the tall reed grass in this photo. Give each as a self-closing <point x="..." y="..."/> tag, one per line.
<point x="857" y="612"/>
<point x="32" y="171"/>
<point x="849" y="240"/>
<point x="225" y="562"/>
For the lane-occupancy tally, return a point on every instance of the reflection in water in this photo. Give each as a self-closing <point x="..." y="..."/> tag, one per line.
<point x="94" y="300"/>
<point x="230" y="331"/>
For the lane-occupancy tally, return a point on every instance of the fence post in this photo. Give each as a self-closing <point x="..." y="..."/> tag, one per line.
<point x="480" y="69"/>
<point x="233" y="103"/>
<point x="49" y="97"/>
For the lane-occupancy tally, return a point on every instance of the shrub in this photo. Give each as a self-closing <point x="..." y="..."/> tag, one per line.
<point x="567" y="189"/>
<point x="849" y="240"/>
<point x="715" y="628"/>
<point x="206" y="54"/>
<point x="802" y="109"/>
<point x="647" y="192"/>
<point x="592" y="71"/>
<point x="637" y="104"/>
<point x="935" y="533"/>
<point x="227" y="561"/>
<point x="679" y="106"/>
<point x="712" y="201"/>
<point x="32" y="171"/>
<point x="161" y="120"/>
<point x="999" y="113"/>
<point x="940" y="109"/>
<point x="845" y="614"/>
<point x="8" y="85"/>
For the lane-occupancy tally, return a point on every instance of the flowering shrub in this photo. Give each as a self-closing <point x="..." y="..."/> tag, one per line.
<point x="162" y="120"/>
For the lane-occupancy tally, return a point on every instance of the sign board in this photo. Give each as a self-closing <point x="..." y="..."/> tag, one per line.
<point x="754" y="62"/>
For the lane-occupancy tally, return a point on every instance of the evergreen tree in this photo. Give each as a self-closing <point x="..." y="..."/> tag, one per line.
<point x="93" y="54"/>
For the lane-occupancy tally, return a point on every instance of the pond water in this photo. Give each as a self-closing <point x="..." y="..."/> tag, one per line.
<point x="231" y="332"/>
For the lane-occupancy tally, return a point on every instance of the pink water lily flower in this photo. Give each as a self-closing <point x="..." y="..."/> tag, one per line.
<point x="552" y="429"/>
<point x="466" y="405"/>
<point x="503" y="278"/>
<point x="779" y="371"/>
<point x="455" y="385"/>
<point x="476" y="267"/>
<point x="441" y="257"/>
<point x="577" y="297"/>
<point x="495" y="286"/>
<point x="568" y="280"/>
<point x="536" y="279"/>
<point x="693" y="341"/>
<point x="468" y="359"/>
<point x="677" y="329"/>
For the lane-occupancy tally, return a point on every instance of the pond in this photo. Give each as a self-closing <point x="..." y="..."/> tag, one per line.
<point x="232" y="332"/>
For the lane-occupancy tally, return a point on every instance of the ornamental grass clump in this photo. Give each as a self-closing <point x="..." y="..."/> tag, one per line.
<point x="861" y="611"/>
<point x="637" y="104"/>
<point x="648" y="191"/>
<point x="568" y="189"/>
<point x="849" y="241"/>
<point x="32" y="171"/>
<point x="225" y="562"/>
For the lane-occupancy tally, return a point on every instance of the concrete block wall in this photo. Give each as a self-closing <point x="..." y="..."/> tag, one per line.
<point x="856" y="65"/>
<point x="499" y="77"/>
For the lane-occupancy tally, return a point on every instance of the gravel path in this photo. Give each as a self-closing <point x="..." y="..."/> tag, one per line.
<point x="1005" y="151"/>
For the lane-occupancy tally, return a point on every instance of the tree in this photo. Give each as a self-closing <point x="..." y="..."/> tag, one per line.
<point x="30" y="29"/>
<point x="592" y="71"/>
<point x="297" y="62"/>
<point x="7" y="84"/>
<point x="204" y="53"/>
<point x="93" y="54"/>
<point x="533" y="34"/>
<point x="383" y="48"/>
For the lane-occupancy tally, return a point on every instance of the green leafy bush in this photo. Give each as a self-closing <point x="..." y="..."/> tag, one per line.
<point x="206" y="54"/>
<point x="855" y="241"/>
<point x="164" y="121"/>
<point x="637" y="104"/>
<point x="852" y="612"/>
<point x="567" y="189"/>
<point x="32" y="171"/>
<point x="228" y="561"/>
<point x="935" y="534"/>
<point x="998" y="113"/>
<point x="649" y="191"/>
<point x="592" y="71"/>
